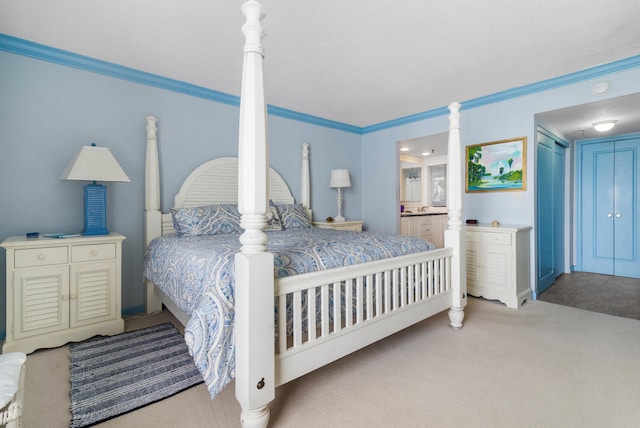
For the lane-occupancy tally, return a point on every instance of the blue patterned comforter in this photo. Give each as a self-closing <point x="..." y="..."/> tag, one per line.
<point x="197" y="274"/>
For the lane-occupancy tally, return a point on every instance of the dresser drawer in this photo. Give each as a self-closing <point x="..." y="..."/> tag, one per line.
<point x="474" y="236"/>
<point x="40" y="257"/>
<point x="496" y="238"/>
<point x="426" y="221"/>
<point x="87" y="253"/>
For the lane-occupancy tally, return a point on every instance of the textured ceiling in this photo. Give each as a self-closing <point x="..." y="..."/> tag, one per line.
<point x="359" y="62"/>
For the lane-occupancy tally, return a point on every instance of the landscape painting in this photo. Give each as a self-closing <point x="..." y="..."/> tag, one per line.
<point x="497" y="166"/>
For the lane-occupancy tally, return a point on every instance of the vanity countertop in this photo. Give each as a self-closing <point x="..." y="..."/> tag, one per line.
<point x="428" y="212"/>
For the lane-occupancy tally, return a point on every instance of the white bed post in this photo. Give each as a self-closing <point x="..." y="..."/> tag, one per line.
<point x="305" y="181"/>
<point x="153" y="215"/>
<point x="453" y="236"/>
<point x="254" y="323"/>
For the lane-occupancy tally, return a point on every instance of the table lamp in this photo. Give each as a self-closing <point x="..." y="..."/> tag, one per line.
<point x="93" y="163"/>
<point x="339" y="179"/>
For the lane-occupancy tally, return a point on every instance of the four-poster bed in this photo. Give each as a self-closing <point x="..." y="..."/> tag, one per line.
<point x="321" y="313"/>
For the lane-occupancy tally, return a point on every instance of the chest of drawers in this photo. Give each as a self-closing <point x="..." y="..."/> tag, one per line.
<point x="62" y="290"/>
<point x="498" y="263"/>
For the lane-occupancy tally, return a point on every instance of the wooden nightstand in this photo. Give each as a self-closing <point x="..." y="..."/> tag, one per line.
<point x="62" y="290"/>
<point x="343" y="225"/>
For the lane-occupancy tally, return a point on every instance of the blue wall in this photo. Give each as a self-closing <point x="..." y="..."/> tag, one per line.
<point x="48" y="111"/>
<point x="493" y="121"/>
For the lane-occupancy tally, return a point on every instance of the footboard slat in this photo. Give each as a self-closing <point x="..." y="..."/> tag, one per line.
<point x="311" y="314"/>
<point x="430" y="278"/>
<point x="403" y="286"/>
<point x="395" y="288"/>
<point x="348" y="298"/>
<point x="439" y="276"/>
<point x="282" y="323"/>
<point x="297" y="318"/>
<point x="368" y="290"/>
<point x="387" y="291"/>
<point x="414" y="294"/>
<point x="378" y="293"/>
<point x="422" y="283"/>
<point x="324" y="310"/>
<point x="359" y="303"/>
<point x="337" y="307"/>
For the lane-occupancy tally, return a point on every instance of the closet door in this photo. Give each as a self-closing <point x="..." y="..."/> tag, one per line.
<point x="609" y="189"/>
<point x="550" y="193"/>
<point x="626" y="182"/>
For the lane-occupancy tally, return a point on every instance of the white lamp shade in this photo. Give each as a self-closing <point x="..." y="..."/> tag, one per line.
<point x="340" y="178"/>
<point x="93" y="163"/>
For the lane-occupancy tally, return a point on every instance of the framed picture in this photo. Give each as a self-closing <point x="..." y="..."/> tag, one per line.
<point x="497" y="166"/>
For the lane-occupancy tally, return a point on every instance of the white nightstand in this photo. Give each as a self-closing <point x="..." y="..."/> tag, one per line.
<point x="343" y="225"/>
<point x="62" y="290"/>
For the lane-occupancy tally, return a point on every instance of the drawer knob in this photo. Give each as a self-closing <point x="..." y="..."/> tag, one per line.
<point x="94" y="252"/>
<point x="42" y="256"/>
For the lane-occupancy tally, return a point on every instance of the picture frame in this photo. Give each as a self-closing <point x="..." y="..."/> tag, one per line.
<point x="497" y="166"/>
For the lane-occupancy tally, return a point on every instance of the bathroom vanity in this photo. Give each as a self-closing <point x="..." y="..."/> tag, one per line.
<point x="426" y="225"/>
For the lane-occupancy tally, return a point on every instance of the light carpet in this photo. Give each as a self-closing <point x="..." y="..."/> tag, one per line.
<point x="113" y="375"/>
<point x="540" y="366"/>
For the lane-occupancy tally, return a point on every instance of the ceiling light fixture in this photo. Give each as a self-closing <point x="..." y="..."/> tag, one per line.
<point x="404" y="149"/>
<point x="604" y="125"/>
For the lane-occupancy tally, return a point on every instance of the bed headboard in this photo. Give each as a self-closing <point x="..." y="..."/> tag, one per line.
<point x="216" y="182"/>
<point x="213" y="182"/>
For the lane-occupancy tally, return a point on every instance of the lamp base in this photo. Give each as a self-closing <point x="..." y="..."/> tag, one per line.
<point x="338" y="219"/>
<point x="95" y="210"/>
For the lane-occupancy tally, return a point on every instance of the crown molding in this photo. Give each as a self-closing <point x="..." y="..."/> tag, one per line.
<point x="57" y="56"/>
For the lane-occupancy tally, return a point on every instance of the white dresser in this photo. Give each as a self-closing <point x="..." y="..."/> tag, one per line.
<point x="498" y="263"/>
<point x="62" y="290"/>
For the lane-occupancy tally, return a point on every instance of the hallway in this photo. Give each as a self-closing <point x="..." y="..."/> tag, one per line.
<point x="613" y="295"/>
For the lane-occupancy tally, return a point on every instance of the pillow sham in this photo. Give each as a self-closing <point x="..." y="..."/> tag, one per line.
<point x="273" y="219"/>
<point x="293" y="216"/>
<point x="207" y="220"/>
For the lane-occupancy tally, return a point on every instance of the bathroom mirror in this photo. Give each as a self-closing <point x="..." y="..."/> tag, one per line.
<point x="438" y="185"/>
<point x="410" y="179"/>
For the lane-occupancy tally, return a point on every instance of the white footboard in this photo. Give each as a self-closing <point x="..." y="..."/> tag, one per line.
<point x="374" y="299"/>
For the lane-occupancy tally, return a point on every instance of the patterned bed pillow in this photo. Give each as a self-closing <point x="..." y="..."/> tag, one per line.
<point x="293" y="216"/>
<point x="208" y="220"/>
<point x="273" y="219"/>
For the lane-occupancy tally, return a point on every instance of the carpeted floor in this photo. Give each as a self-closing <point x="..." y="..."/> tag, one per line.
<point x="543" y="365"/>
<point x="607" y="294"/>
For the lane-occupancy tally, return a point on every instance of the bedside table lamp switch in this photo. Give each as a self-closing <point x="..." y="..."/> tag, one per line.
<point x="93" y="163"/>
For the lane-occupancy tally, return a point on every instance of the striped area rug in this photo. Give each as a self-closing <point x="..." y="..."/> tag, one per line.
<point x="114" y="375"/>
